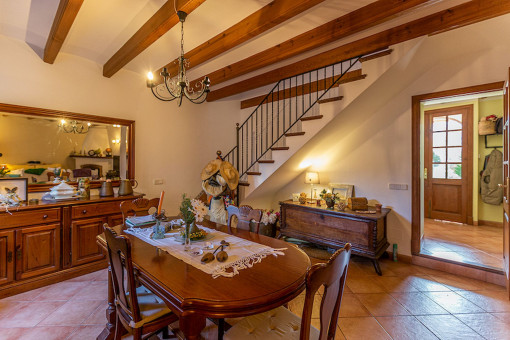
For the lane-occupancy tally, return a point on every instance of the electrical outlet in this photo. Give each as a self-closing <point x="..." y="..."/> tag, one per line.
<point x="157" y="181"/>
<point x="398" y="186"/>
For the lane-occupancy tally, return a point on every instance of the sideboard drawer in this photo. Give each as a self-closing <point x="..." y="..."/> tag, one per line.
<point x="328" y="227"/>
<point x="33" y="217"/>
<point x="98" y="209"/>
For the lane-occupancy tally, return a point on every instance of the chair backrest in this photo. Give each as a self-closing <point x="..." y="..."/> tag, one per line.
<point x="332" y="276"/>
<point x="138" y="207"/>
<point x="245" y="215"/>
<point x="121" y="265"/>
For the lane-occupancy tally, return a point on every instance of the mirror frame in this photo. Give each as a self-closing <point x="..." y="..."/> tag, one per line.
<point x="40" y="112"/>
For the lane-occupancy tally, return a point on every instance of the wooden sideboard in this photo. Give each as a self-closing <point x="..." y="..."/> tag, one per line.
<point x="53" y="241"/>
<point x="332" y="228"/>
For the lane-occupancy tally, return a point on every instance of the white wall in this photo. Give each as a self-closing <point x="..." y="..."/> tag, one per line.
<point x="172" y="143"/>
<point x="368" y="144"/>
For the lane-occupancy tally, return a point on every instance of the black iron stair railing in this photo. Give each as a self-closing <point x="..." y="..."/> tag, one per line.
<point x="280" y="110"/>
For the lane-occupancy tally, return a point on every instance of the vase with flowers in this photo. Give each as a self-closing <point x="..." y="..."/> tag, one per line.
<point x="329" y="198"/>
<point x="268" y="222"/>
<point x="192" y="211"/>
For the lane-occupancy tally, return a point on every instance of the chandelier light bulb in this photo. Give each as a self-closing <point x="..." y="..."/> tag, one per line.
<point x="150" y="76"/>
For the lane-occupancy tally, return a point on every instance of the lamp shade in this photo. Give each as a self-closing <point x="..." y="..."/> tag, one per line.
<point x="312" y="178"/>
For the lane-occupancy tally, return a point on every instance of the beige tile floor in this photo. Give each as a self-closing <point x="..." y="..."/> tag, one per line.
<point x="479" y="245"/>
<point x="407" y="302"/>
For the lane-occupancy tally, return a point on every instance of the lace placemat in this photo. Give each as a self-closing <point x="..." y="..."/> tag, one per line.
<point x="242" y="253"/>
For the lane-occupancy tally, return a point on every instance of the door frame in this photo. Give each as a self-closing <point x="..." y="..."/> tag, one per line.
<point x="467" y="144"/>
<point x="416" y="172"/>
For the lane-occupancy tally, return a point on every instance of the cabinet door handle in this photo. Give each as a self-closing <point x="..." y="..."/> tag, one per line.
<point x="84" y="211"/>
<point x="45" y="217"/>
<point x="9" y="256"/>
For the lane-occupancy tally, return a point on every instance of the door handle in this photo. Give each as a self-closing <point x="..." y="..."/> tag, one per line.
<point x="502" y="186"/>
<point x="425" y="174"/>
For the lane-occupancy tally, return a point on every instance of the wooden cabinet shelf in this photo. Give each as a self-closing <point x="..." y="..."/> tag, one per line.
<point x="53" y="241"/>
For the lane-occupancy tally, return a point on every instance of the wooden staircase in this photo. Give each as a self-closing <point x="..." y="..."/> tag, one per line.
<point x="305" y="127"/>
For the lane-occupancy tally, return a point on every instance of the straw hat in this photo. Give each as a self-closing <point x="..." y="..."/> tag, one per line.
<point x="230" y="174"/>
<point x="210" y="169"/>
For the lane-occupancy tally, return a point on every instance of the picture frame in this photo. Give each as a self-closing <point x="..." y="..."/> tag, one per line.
<point x="12" y="182"/>
<point x="344" y="191"/>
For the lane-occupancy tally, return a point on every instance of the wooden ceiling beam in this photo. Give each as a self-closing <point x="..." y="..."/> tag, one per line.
<point x="160" y="23"/>
<point x="64" y="18"/>
<point x="300" y="90"/>
<point x="465" y="14"/>
<point x="257" y="23"/>
<point x="353" y="22"/>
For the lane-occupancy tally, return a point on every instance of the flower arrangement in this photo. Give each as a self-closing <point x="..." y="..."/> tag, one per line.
<point x="192" y="211"/>
<point x="328" y="196"/>
<point x="270" y="217"/>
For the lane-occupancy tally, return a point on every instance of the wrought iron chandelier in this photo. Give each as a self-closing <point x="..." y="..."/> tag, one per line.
<point x="179" y="86"/>
<point x="74" y="126"/>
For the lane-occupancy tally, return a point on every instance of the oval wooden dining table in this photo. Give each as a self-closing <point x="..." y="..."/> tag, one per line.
<point x="195" y="295"/>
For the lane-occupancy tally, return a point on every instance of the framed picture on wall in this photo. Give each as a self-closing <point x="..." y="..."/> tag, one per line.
<point x="14" y="186"/>
<point x="344" y="191"/>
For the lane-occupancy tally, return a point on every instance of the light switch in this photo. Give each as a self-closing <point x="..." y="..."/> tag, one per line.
<point x="398" y="186"/>
<point x="157" y="181"/>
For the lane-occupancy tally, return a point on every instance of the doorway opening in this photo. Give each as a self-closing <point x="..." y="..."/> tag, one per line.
<point x="457" y="213"/>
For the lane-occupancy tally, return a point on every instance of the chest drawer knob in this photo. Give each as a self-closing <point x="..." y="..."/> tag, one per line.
<point x="45" y="217"/>
<point x="84" y="211"/>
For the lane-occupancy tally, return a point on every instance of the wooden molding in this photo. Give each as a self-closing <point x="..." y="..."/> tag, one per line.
<point x="64" y="18"/>
<point x="415" y="151"/>
<point x="262" y="20"/>
<point x="455" y="17"/>
<point x="160" y="23"/>
<point x="302" y="89"/>
<point x="353" y="22"/>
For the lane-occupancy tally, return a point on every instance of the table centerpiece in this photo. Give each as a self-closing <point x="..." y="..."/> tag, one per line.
<point x="192" y="211"/>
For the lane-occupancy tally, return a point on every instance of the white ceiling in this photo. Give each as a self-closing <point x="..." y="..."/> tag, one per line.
<point x="102" y="27"/>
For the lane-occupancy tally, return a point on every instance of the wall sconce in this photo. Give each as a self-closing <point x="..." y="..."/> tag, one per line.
<point x="312" y="178"/>
<point x="116" y="141"/>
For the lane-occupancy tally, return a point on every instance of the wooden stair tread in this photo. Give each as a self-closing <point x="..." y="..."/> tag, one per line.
<point x="266" y="161"/>
<point x="291" y="134"/>
<point x="276" y="148"/>
<point x="244" y="184"/>
<point x="351" y="79"/>
<point x="304" y="119"/>
<point x="375" y="55"/>
<point x="329" y="100"/>
<point x="254" y="173"/>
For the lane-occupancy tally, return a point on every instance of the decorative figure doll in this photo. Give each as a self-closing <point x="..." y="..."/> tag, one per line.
<point x="217" y="177"/>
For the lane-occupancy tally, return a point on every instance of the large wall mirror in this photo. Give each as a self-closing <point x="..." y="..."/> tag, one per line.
<point x="41" y="144"/>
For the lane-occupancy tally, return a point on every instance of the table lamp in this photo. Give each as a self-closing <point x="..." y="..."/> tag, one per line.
<point x="312" y="178"/>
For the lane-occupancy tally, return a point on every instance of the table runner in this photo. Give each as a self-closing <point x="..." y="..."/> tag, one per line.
<point x="241" y="253"/>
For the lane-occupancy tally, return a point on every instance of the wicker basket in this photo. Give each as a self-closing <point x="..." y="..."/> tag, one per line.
<point x="357" y="203"/>
<point x="486" y="127"/>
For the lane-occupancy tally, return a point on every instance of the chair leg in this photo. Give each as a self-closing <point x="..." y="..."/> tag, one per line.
<point x="165" y="333"/>
<point x="221" y="328"/>
<point x="118" y="328"/>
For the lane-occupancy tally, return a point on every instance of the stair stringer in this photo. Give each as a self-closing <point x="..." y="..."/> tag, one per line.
<point x="374" y="69"/>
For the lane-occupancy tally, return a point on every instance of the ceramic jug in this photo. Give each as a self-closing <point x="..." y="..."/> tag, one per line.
<point x="106" y="189"/>
<point x="126" y="187"/>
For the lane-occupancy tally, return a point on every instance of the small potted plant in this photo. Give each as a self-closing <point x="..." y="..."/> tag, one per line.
<point x="329" y="197"/>
<point x="268" y="222"/>
<point x="4" y="170"/>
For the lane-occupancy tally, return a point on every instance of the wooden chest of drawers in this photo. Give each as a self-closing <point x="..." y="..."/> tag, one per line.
<point x="332" y="228"/>
<point x="53" y="241"/>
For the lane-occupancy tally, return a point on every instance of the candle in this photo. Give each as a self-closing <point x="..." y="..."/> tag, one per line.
<point x="161" y="202"/>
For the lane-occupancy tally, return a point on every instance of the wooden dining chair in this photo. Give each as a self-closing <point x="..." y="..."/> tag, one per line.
<point x="245" y="215"/>
<point x="280" y="323"/>
<point x="140" y="311"/>
<point x="138" y="207"/>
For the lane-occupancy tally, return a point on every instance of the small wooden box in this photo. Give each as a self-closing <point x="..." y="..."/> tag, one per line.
<point x="357" y="203"/>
